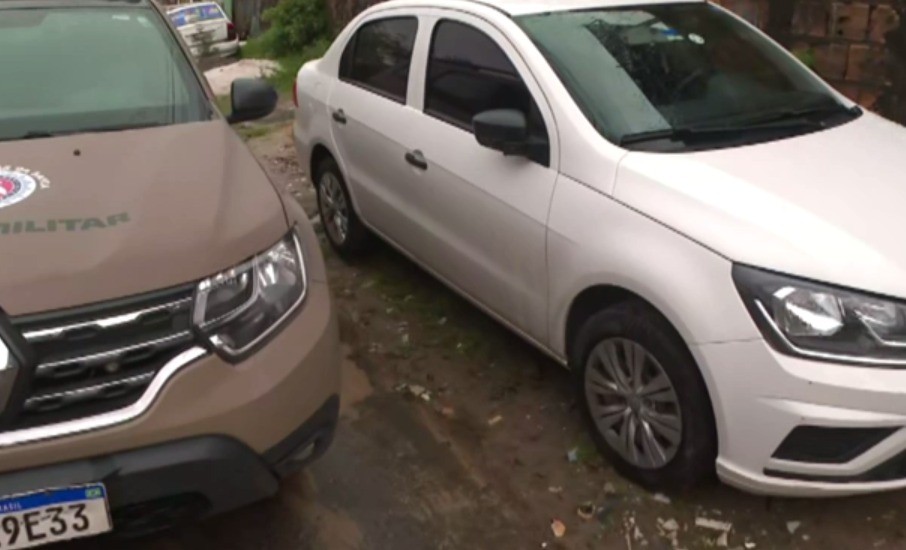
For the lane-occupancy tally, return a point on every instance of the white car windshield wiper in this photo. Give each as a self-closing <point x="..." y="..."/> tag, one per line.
<point x="805" y="114"/>
<point x="812" y="117"/>
<point x="682" y="133"/>
<point x="777" y="120"/>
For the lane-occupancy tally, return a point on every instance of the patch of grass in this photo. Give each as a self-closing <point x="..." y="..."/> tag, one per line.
<point x="256" y="131"/>
<point x="294" y="24"/>
<point x="807" y="56"/>
<point x="407" y="294"/>
<point x="299" y="32"/>
<point x="257" y="47"/>
<point x="447" y="321"/>
<point x="586" y="454"/>
<point x="289" y="64"/>
<point x="224" y="104"/>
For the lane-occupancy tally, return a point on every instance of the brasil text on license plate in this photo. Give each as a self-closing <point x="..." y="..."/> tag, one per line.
<point x="49" y="516"/>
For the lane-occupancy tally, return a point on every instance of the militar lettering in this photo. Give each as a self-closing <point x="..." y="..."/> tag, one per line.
<point x="68" y="225"/>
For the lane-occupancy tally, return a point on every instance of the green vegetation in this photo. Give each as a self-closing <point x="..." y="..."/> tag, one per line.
<point x="224" y="103"/>
<point x="299" y="32"/>
<point x="290" y="64"/>
<point x="247" y="131"/>
<point x="447" y="321"/>
<point x="806" y="55"/>
<point x="587" y="454"/>
<point x="252" y="132"/>
<point x="294" y="25"/>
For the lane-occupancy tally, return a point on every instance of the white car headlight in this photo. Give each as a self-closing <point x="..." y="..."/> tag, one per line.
<point x="819" y="321"/>
<point x="238" y="309"/>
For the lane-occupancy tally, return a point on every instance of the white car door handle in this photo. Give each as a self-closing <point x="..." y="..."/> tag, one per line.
<point x="417" y="158"/>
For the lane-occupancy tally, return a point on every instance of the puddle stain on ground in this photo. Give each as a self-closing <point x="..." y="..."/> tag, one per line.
<point x="324" y="528"/>
<point x="356" y="386"/>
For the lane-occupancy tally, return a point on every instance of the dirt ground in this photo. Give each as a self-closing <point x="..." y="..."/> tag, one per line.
<point x="456" y="434"/>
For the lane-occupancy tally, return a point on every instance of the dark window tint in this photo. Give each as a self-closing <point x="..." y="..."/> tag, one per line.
<point x="379" y="55"/>
<point x="468" y="73"/>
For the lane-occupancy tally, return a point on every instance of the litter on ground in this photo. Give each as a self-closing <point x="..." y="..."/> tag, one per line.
<point x="669" y="525"/>
<point x="723" y="540"/>
<point x="713" y="524"/>
<point x="587" y="510"/>
<point x="573" y="455"/>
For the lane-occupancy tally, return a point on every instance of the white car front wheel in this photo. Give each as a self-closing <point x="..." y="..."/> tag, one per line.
<point x="644" y="398"/>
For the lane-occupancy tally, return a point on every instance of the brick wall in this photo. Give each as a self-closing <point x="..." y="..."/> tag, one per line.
<point x="859" y="46"/>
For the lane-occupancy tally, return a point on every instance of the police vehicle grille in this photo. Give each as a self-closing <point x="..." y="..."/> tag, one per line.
<point x="99" y="358"/>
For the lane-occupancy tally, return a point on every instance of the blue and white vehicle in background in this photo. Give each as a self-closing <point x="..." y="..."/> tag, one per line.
<point x="206" y="29"/>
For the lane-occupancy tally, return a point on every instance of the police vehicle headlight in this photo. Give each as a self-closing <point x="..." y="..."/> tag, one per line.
<point x="239" y="309"/>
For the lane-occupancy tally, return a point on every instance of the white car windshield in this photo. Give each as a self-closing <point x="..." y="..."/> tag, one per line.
<point x="654" y="71"/>
<point x="82" y="69"/>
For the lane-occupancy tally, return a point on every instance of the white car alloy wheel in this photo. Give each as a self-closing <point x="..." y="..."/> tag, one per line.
<point x="633" y="403"/>
<point x="334" y="208"/>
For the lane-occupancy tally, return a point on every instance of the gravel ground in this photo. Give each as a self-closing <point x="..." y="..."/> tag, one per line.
<point x="221" y="77"/>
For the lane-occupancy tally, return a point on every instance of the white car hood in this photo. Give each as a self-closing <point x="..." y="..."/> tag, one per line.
<point x="829" y="206"/>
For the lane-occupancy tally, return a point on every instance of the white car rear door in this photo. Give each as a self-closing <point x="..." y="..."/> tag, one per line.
<point x="370" y="122"/>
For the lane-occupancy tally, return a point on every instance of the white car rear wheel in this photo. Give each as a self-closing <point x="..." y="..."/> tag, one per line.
<point x="345" y="232"/>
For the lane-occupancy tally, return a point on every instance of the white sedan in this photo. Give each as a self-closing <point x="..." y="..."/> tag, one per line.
<point x="206" y="29"/>
<point x="657" y="195"/>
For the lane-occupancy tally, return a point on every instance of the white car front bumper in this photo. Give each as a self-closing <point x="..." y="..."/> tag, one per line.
<point x="761" y="396"/>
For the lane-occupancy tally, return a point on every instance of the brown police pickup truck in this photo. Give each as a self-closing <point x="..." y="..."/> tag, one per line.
<point x="167" y="343"/>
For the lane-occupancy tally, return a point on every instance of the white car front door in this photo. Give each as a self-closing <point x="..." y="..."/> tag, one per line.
<point x="482" y="215"/>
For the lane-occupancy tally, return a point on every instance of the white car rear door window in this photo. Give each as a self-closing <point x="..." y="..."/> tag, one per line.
<point x="370" y="122"/>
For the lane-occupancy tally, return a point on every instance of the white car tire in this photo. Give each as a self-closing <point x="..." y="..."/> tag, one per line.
<point x="342" y="226"/>
<point x="651" y="417"/>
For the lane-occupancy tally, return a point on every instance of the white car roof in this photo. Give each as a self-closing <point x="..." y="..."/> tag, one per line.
<point x="526" y="7"/>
